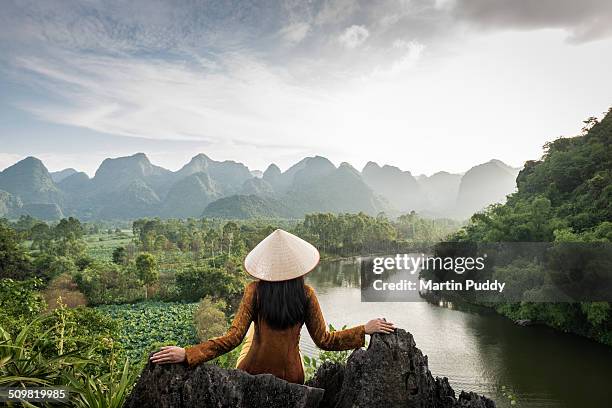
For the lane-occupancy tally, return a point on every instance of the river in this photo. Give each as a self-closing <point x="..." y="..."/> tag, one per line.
<point x="478" y="351"/>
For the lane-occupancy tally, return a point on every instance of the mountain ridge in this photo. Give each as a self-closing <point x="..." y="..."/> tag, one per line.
<point x="132" y="186"/>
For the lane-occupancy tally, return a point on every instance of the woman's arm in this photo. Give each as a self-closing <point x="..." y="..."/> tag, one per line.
<point x="343" y="339"/>
<point x="214" y="347"/>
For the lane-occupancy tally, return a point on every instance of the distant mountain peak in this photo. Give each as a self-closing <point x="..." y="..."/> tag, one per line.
<point x="371" y="165"/>
<point x="273" y="168"/>
<point x="58" y="176"/>
<point x="200" y="157"/>
<point x="272" y="174"/>
<point x="348" y="166"/>
<point x="29" y="161"/>
<point x="30" y="180"/>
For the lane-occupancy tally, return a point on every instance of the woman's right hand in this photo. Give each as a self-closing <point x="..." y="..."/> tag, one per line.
<point x="169" y="355"/>
<point x="379" y="326"/>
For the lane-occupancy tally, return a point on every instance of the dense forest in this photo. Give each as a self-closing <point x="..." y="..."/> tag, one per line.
<point x="564" y="197"/>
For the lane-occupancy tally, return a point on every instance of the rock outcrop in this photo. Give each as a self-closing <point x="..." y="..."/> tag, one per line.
<point x="176" y="386"/>
<point x="391" y="373"/>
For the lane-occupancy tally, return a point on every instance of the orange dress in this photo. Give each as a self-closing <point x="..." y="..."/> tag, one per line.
<point x="275" y="351"/>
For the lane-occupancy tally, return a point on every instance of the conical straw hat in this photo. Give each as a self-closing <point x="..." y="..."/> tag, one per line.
<point x="281" y="256"/>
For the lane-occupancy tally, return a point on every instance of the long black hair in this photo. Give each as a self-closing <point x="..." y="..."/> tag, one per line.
<point x="282" y="304"/>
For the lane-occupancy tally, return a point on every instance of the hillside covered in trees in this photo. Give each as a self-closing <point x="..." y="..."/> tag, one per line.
<point x="564" y="197"/>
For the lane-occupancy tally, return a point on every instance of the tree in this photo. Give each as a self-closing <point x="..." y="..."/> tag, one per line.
<point x="40" y="234"/>
<point x="69" y="229"/>
<point x="146" y="267"/>
<point x="14" y="261"/>
<point x="120" y="256"/>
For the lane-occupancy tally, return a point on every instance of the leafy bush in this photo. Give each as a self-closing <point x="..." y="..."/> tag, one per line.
<point x="105" y="282"/>
<point x="82" y="328"/>
<point x="25" y="361"/>
<point x="209" y="319"/>
<point x="109" y="390"/>
<point x="14" y="261"/>
<point x="49" y="266"/>
<point x="20" y="303"/>
<point x="311" y="364"/>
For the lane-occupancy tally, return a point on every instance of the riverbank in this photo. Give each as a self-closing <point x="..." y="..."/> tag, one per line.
<point x="478" y="349"/>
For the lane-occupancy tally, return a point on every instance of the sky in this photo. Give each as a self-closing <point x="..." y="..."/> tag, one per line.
<point x="425" y="85"/>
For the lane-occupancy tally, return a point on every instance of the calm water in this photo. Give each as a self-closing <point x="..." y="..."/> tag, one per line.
<point x="478" y="352"/>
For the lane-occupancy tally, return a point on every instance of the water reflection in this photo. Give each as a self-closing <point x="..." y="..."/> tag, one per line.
<point x="475" y="348"/>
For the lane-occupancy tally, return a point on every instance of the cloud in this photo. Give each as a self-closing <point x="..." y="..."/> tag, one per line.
<point x="411" y="53"/>
<point x="254" y="76"/>
<point x="354" y="36"/>
<point x="584" y="20"/>
<point x="295" y="32"/>
<point x="161" y="99"/>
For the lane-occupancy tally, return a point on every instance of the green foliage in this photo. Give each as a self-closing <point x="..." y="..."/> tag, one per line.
<point x="120" y="256"/>
<point x="228" y="360"/>
<point x="83" y="328"/>
<point x="347" y="234"/>
<point x="105" y="282"/>
<point x="49" y="266"/>
<point x="65" y="329"/>
<point x="414" y="228"/>
<point x="570" y="188"/>
<point x="14" y="261"/>
<point x="24" y="362"/>
<point x="311" y="364"/>
<point x="209" y="319"/>
<point x="146" y="268"/>
<point x="196" y="282"/>
<point x="597" y="313"/>
<point x="35" y="358"/>
<point x="145" y="325"/>
<point x="564" y="197"/>
<point x="20" y="303"/>
<point x="109" y="390"/>
<point x="101" y="246"/>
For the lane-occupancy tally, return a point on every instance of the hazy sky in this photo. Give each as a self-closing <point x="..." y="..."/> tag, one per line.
<point x="421" y="84"/>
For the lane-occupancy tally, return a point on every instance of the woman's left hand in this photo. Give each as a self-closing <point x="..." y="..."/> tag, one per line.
<point x="169" y="355"/>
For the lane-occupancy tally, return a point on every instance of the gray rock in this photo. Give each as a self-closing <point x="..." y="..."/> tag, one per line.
<point x="391" y="373"/>
<point x="177" y="386"/>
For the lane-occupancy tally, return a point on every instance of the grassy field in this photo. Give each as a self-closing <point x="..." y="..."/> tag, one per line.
<point x="101" y="246"/>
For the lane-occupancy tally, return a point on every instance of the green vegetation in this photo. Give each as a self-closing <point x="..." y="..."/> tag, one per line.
<point x="95" y="300"/>
<point x="53" y="358"/>
<point x="311" y="364"/>
<point x="564" y="197"/>
<point x="101" y="246"/>
<point x="209" y="319"/>
<point x="147" y="325"/>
